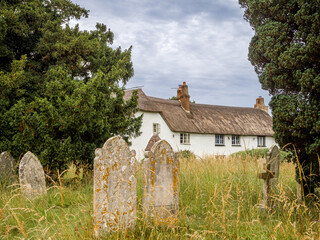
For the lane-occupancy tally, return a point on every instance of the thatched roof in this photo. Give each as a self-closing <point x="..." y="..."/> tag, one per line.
<point x="207" y="119"/>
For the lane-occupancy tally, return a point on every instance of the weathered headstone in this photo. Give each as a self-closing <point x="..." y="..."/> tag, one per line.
<point x="31" y="176"/>
<point x="261" y="162"/>
<point x="155" y="138"/>
<point x="273" y="160"/>
<point x="7" y="165"/>
<point x="270" y="174"/>
<point x="161" y="184"/>
<point x="299" y="192"/>
<point x="114" y="187"/>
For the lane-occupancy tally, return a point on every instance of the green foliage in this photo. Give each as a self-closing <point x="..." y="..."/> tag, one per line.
<point x="255" y="153"/>
<point x="73" y="174"/>
<point x="175" y="98"/>
<point x="285" y="52"/>
<point x="261" y="153"/>
<point x="61" y="89"/>
<point x="187" y="154"/>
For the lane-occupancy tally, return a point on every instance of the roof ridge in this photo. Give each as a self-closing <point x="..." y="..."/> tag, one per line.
<point x="207" y="119"/>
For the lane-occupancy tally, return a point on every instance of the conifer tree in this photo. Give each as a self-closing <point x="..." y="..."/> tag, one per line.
<point x="61" y="89"/>
<point x="285" y="51"/>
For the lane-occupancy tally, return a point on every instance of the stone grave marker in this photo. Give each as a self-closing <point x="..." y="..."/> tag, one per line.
<point x="7" y="166"/>
<point x="299" y="192"/>
<point x="31" y="176"/>
<point x="270" y="175"/>
<point x="114" y="187"/>
<point x="161" y="184"/>
<point x="155" y="138"/>
<point x="273" y="160"/>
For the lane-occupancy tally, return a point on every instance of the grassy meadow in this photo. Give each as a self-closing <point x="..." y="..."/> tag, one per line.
<point x="219" y="199"/>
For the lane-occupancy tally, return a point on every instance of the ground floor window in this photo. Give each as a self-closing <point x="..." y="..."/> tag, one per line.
<point x="219" y="140"/>
<point x="235" y="140"/>
<point x="184" y="138"/>
<point x="156" y="128"/>
<point x="261" y="141"/>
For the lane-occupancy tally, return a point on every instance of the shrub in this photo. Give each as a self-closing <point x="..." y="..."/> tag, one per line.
<point x="255" y="153"/>
<point x="186" y="154"/>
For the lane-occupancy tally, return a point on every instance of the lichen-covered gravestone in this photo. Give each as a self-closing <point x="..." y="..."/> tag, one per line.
<point x="161" y="184"/>
<point x="31" y="176"/>
<point x="270" y="175"/>
<point x="155" y="138"/>
<point x="114" y="187"/>
<point x="7" y="165"/>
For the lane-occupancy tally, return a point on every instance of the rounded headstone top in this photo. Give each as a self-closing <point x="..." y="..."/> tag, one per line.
<point x="6" y="160"/>
<point x="155" y="138"/>
<point x="7" y="164"/>
<point x="273" y="152"/>
<point x="31" y="176"/>
<point x="160" y="145"/>
<point x="114" y="141"/>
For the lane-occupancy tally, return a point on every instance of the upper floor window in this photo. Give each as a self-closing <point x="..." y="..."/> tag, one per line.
<point x="219" y="140"/>
<point x="261" y="141"/>
<point x="156" y="128"/>
<point x="235" y="140"/>
<point x="184" y="138"/>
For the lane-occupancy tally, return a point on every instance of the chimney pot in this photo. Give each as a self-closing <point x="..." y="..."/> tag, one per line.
<point x="260" y="104"/>
<point x="183" y="96"/>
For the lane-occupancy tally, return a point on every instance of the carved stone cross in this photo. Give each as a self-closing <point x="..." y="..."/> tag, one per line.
<point x="271" y="174"/>
<point x="266" y="176"/>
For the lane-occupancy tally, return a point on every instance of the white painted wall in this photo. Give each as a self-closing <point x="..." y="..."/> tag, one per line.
<point x="140" y="143"/>
<point x="200" y="144"/>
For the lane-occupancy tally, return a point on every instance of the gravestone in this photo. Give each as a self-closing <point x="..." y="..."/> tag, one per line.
<point x="299" y="192"/>
<point x="155" y="138"/>
<point x="273" y="160"/>
<point x="161" y="184"/>
<point x="261" y="162"/>
<point x="7" y="165"/>
<point x="270" y="175"/>
<point x="114" y="187"/>
<point x="31" y="176"/>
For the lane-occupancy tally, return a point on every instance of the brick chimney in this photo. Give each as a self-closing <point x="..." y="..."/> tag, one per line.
<point x="260" y="104"/>
<point x="184" y="97"/>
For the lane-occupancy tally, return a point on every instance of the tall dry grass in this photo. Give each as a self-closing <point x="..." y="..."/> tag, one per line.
<point x="219" y="199"/>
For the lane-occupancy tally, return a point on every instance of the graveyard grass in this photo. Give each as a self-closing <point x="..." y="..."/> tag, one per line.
<point x="219" y="199"/>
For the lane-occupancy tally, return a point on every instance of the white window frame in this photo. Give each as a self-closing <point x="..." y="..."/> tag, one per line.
<point x="235" y="140"/>
<point x="219" y="140"/>
<point x="156" y="128"/>
<point x="185" y="138"/>
<point x="261" y="141"/>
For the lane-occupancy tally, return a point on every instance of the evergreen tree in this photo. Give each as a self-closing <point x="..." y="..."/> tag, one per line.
<point x="61" y="89"/>
<point x="285" y="52"/>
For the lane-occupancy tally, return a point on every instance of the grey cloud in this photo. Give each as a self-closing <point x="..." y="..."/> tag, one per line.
<point x="156" y="10"/>
<point x="204" y="43"/>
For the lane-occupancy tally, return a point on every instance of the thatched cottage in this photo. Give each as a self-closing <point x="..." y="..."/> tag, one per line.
<point x="201" y="128"/>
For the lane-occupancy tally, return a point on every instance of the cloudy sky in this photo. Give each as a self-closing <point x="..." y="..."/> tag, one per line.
<point x="202" y="42"/>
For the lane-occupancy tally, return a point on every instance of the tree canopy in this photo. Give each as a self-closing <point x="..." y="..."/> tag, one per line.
<point x="61" y="89"/>
<point x="285" y="52"/>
